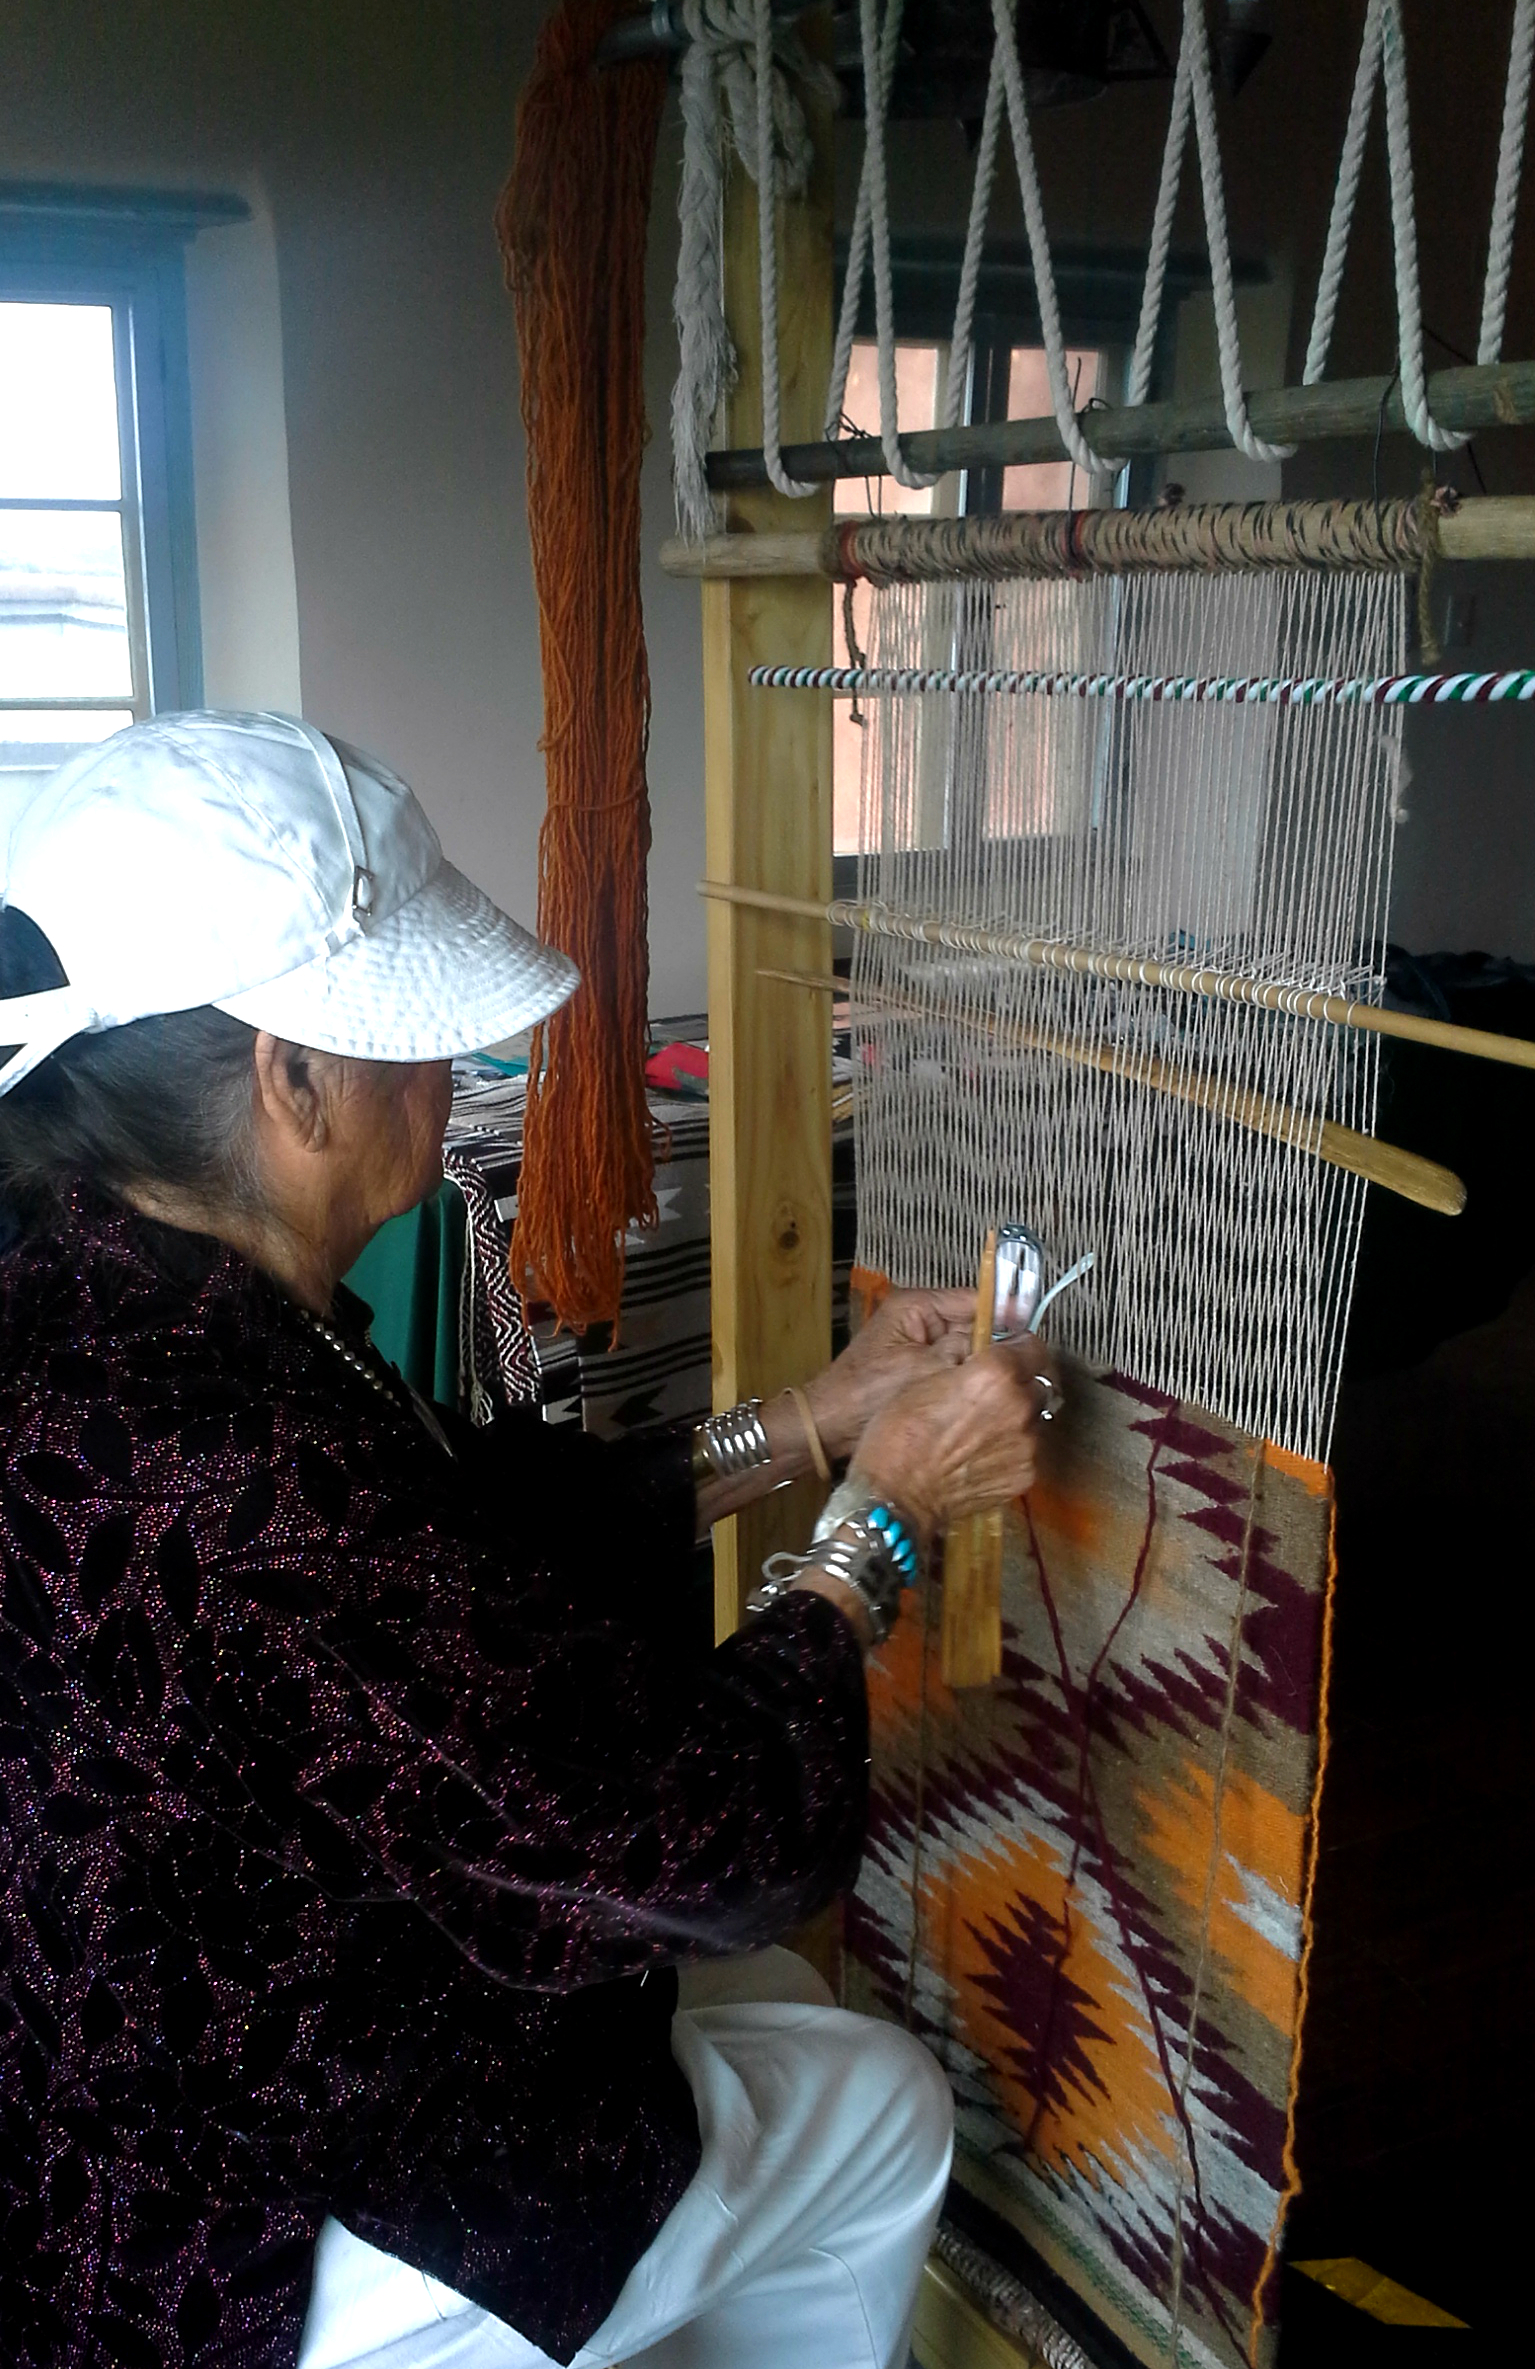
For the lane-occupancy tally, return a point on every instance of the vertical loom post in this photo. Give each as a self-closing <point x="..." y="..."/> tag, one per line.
<point x="972" y="1555"/>
<point x="767" y="788"/>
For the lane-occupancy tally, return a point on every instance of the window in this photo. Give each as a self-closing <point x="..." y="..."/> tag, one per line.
<point x="1008" y="382"/>
<point x="98" y="579"/>
<point x="1099" y="292"/>
<point x="67" y="646"/>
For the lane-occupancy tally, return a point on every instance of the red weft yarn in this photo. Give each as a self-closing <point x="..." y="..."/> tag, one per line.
<point x="572" y="225"/>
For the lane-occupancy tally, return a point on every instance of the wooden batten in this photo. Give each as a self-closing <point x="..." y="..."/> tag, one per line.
<point x="971" y="1653"/>
<point x="767" y="773"/>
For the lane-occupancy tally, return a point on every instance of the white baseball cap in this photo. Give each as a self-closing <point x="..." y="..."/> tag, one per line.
<point x="248" y="861"/>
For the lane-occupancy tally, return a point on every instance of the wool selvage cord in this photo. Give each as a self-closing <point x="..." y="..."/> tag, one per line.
<point x="572" y="227"/>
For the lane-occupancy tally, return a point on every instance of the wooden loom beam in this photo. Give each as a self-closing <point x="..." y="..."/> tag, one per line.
<point x="1495" y="395"/>
<point x="1494" y="526"/>
<point x="767" y="792"/>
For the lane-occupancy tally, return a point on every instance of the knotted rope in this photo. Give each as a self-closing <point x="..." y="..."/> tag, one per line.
<point x="742" y="73"/>
<point x="1383" y="56"/>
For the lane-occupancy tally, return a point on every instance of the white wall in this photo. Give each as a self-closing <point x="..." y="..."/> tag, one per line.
<point x="247" y="589"/>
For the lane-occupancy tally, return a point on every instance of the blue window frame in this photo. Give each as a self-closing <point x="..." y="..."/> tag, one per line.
<point x="86" y="643"/>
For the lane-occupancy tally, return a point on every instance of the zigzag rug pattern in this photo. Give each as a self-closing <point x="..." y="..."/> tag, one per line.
<point x="1108" y="1850"/>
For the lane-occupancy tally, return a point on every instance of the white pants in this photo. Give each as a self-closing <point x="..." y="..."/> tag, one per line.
<point x="798" y="2244"/>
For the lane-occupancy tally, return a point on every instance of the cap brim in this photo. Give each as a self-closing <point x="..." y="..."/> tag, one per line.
<point x="447" y="973"/>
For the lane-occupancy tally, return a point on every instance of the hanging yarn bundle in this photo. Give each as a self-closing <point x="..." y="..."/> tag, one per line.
<point x="572" y="226"/>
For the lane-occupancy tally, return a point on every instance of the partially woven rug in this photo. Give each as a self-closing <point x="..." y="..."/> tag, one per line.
<point x="1109" y="1851"/>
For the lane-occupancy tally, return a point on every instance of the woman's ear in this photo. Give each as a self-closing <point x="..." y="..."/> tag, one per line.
<point x="290" y="1091"/>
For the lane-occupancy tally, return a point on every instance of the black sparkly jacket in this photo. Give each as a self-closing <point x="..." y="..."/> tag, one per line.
<point x="355" y="1802"/>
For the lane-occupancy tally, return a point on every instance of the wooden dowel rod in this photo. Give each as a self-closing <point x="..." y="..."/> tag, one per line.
<point x="1491" y="526"/>
<point x="972" y="1552"/>
<point x="1134" y="970"/>
<point x="1384" y="1164"/>
<point x="1499" y="395"/>
<point x="719" y="556"/>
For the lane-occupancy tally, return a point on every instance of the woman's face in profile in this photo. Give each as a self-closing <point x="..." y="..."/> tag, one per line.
<point x="389" y="1123"/>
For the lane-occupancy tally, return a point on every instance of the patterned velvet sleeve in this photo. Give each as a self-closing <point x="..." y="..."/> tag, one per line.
<point x="488" y="1736"/>
<point x="558" y="1802"/>
<point x="639" y="1490"/>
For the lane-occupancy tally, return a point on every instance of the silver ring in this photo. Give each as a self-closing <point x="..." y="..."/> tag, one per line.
<point x="1054" y="1399"/>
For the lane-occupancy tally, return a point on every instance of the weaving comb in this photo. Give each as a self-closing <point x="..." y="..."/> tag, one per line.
<point x="971" y="1653"/>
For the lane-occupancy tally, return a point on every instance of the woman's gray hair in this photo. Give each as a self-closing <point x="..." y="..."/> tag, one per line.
<point x="164" y="1102"/>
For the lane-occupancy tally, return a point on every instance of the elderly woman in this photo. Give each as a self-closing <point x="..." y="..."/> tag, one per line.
<point x="362" y="1792"/>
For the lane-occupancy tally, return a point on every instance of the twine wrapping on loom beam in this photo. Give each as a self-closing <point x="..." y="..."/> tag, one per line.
<point x="572" y="226"/>
<point x="1201" y="537"/>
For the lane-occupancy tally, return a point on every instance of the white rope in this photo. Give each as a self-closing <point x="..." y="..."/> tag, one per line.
<point x="1383" y="52"/>
<point x="1500" y="236"/>
<point x="766" y="178"/>
<point x="731" y="58"/>
<point x="876" y="100"/>
<point x="1404" y="240"/>
<point x="1139" y="386"/>
<point x="1078" y="450"/>
<point x="956" y="392"/>
<point x="878" y="68"/>
<point x="727" y="40"/>
<point x="1196" y="50"/>
<point x="1340" y="221"/>
<point x="706" y="359"/>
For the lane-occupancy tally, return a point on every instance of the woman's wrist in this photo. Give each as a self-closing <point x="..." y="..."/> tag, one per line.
<point x="848" y="1600"/>
<point x="776" y="1451"/>
<point x="908" y="1498"/>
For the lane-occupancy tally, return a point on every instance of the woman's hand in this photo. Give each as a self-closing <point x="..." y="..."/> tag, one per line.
<point x="957" y="1442"/>
<point x="910" y="1336"/>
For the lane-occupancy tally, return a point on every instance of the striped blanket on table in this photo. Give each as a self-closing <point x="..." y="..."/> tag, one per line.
<point x="660" y="1369"/>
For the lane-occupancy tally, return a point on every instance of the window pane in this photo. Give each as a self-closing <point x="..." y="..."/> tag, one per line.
<point x="1045" y="485"/>
<point x="917" y="377"/>
<point x="58" y="403"/>
<point x="35" y="741"/>
<point x="919" y="374"/>
<point x="63" y="606"/>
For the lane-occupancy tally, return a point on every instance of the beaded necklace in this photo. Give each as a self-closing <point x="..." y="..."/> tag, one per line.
<point x="384" y="1382"/>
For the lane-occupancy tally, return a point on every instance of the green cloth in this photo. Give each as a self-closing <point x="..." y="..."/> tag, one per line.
<point x="410" y="1275"/>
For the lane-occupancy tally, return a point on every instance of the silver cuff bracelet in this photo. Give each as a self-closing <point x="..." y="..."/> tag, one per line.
<point x="732" y="1443"/>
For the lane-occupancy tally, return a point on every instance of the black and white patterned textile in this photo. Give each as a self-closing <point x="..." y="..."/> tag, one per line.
<point x="660" y="1370"/>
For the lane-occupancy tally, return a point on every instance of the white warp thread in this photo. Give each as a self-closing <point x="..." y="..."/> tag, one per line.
<point x="1254" y="840"/>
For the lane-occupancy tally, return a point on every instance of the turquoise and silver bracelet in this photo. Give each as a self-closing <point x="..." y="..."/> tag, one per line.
<point x="863" y="1540"/>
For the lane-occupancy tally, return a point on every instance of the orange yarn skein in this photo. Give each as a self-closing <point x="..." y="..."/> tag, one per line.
<point x="572" y="226"/>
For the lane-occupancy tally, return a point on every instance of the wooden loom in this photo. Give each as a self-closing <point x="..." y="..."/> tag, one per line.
<point x="765" y="584"/>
